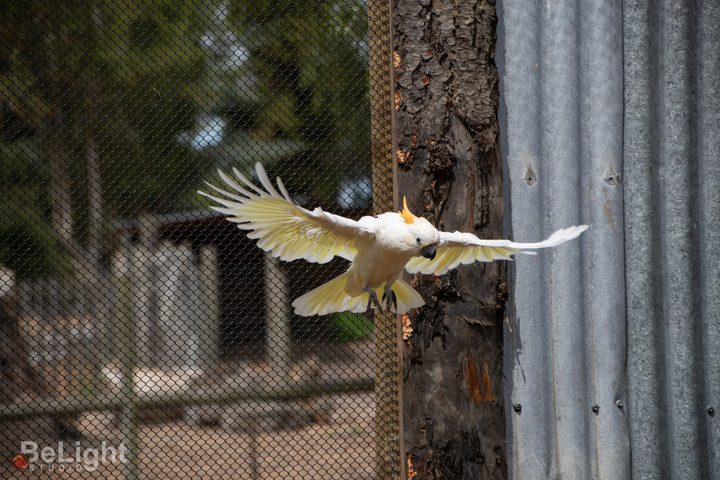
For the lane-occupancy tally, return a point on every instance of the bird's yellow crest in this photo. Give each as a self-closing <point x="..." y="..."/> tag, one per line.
<point x="406" y="214"/>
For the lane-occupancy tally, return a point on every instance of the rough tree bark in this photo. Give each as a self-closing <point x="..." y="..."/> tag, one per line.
<point x="449" y="168"/>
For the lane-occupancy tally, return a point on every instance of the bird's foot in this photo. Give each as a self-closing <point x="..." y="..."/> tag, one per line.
<point x="372" y="299"/>
<point x="390" y="299"/>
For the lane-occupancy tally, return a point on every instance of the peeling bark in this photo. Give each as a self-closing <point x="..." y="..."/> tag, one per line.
<point x="446" y="109"/>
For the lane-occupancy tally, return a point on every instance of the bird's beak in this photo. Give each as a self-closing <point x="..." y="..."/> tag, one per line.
<point x="429" y="252"/>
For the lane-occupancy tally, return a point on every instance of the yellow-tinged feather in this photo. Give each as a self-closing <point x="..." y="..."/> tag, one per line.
<point x="463" y="248"/>
<point x="378" y="246"/>
<point x="407" y="297"/>
<point x="331" y="297"/>
<point x="283" y="228"/>
<point x="448" y="258"/>
<point x="406" y="214"/>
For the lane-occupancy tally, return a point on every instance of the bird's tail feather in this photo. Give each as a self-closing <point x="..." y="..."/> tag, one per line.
<point x="407" y="297"/>
<point x="328" y="298"/>
<point x="331" y="297"/>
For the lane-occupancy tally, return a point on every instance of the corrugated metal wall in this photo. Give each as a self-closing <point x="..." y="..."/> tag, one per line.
<point x="561" y="87"/>
<point x="672" y="235"/>
<point x="609" y="116"/>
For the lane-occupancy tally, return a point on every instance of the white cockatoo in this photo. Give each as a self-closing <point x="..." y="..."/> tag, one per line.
<point x="379" y="247"/>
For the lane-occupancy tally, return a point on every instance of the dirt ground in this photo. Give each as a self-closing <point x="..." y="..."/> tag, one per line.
<point x="342" y="448"/>
<point x="339" y="445"/>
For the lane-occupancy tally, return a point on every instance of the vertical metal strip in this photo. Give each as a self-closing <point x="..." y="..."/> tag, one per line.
<point x="387" y="358"/>
<point x="126" y="363"/>
<point x="210" y="321"/>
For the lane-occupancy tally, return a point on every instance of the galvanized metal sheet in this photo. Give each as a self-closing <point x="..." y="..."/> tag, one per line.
<point x="565" y="345"/>
<point x="672" y="218"/>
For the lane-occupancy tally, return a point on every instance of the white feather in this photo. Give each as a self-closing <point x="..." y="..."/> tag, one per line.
<point x="380" y="247"/>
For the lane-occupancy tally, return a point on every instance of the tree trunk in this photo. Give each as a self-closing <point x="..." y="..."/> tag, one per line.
<point x="66" y="102"/>
<point x="55" y="86"/>
<point x="449" y="168"/>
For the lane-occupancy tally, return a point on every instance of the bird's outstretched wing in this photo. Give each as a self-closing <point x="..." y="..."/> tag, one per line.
<point x="458" y="247"/>
<point x="283" y="228"/>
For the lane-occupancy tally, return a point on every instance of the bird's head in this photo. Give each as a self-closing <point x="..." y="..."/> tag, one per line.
<point x="421" y="237"/>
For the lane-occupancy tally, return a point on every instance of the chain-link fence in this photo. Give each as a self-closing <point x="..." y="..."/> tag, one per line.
<point x="143" y="335"/>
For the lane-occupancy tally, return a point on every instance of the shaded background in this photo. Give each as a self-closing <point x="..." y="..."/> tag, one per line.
<point x="140" y="316"/>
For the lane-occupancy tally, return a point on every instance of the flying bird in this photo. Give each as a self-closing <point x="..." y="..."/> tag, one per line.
<point x="379" y="247"/>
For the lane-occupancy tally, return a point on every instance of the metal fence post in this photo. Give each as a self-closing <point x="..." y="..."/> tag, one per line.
<point x="277" y="315"/>
<point x="126" y="363"/>
<point x="209" y="330"/>
<point x="142" y="260"/>
<point x="388" y="434"/>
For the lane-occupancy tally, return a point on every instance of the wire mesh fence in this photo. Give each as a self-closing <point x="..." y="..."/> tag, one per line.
<point x="143" y="335"/>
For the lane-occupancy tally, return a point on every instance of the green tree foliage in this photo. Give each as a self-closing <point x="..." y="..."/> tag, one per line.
<point x="27" y="244"/>
<point x="299" y="95"/>
<point x="139" y="78"/>
<point x="74" y="71"/>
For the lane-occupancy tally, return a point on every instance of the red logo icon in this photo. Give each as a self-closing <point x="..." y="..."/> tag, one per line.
<point x="20" y="462"/>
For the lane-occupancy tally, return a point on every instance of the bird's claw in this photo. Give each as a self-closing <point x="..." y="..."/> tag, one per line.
<point x="390" y="299"/>
<point x="373" y="299"/>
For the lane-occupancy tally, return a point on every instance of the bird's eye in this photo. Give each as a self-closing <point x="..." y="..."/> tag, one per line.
<point x="418" y="240"/>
